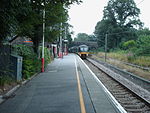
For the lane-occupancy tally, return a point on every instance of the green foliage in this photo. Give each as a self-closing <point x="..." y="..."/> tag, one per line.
<point x="82" y="37"/>
<point x="144" y="31"/>
<point x="31" y="63"/>
<point x="5" y="80"/>
<point x="143" y="45"/>
<point x="92" y="38"/>
<point x="129" y="44"/>
<point x="31" y="66"/>
<point x="69" y="40"/>
<point x="22" y="50"/>
<point x="25" y="18"/>
<point x="119" y="19"/>
<point x="46" y="56"/>
<point x="7" y="18"/>
<point x="56" y="18"/>
<point x="27" y="68"/>
<point x="122" y="13"/>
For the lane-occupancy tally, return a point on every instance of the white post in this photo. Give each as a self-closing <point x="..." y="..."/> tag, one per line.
<point x="66" y="40"/>
<point x="43" y="39"/>
<point x="60" y="43"/>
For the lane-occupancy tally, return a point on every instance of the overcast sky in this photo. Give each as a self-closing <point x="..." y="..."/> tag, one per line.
<point x="84" y="17"/>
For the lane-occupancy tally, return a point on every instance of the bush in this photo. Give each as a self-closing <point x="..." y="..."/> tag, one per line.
<point x="31" y="63"/>
<point x="31" y="66"/>
<point x="129" y="44"/>
<point x="47" y="56"/>
<point x="143" y="45"/>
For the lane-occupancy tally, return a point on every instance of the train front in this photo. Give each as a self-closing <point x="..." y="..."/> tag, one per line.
<point x="83" y="51"/>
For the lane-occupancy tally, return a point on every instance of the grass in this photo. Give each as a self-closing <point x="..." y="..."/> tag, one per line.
<point x="142" y="61"/>
<point x="128" y="57"/>
<point x="117" y="58"/>
<point x="5" y="80"/>
<point x="134" y="70"/>
<point x="6" y="83"/>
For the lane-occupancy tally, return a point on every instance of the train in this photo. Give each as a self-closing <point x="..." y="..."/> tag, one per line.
<point x="82" y="51"/>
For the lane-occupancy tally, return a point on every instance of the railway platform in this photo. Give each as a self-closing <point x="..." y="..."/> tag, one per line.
<point x="67" y="86"/>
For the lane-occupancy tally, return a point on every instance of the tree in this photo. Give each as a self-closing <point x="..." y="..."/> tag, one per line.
<point x="82" y="37"/>
<point x="120" y="19"/>
<point x="92" y="38"/>
<point x="56" y="13"/>
<point x="24" y="17"/>
<point x="129" y="44"/>
<point x="143" y="45"/>
<point x="100" y="31"/>
<point x="123" y="13"/>
<point x="144" y="31"/>
<point x="7" y="18"/>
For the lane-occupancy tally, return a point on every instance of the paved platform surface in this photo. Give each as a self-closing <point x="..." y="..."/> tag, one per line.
<point x="67" y="86"/>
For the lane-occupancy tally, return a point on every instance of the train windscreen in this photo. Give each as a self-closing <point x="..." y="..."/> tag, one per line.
<point x="84" y="49"/>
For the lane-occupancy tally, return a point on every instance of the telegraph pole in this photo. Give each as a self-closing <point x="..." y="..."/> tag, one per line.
<point x="106" y="47"/>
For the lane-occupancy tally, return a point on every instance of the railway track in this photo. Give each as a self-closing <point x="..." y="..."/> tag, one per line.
<point x="130" y="100"/>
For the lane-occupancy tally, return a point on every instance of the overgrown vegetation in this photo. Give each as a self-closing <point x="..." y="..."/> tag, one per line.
<point x="31" y="62"/>
<point x="126" y="56"/>
<point x="5" y="80"/>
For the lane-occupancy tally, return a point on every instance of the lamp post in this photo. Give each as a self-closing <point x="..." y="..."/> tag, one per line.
<point x="43" y="39"/>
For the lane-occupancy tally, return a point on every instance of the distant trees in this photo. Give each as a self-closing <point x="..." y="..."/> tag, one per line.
<point x="120" y="20"/>
<point x="85" y="37"/>
<point x="143" y="45"/>
<point x="82" y="37"/>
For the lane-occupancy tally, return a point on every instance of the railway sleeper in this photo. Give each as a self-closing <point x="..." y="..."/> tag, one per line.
<point x="135" y="111"/>
<point x="120" y="93"/>
<point x="125" y="102"/>
<point x="127" y="98"/>
<point x="126" y="95"/>
<point x="133" y="106"/>
<point x="120" y="96"/>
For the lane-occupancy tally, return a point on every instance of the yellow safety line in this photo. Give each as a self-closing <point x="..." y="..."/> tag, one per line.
<point x="82" y="105"/>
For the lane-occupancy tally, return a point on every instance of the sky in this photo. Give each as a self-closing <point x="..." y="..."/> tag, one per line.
<point x="85" y="16"/>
